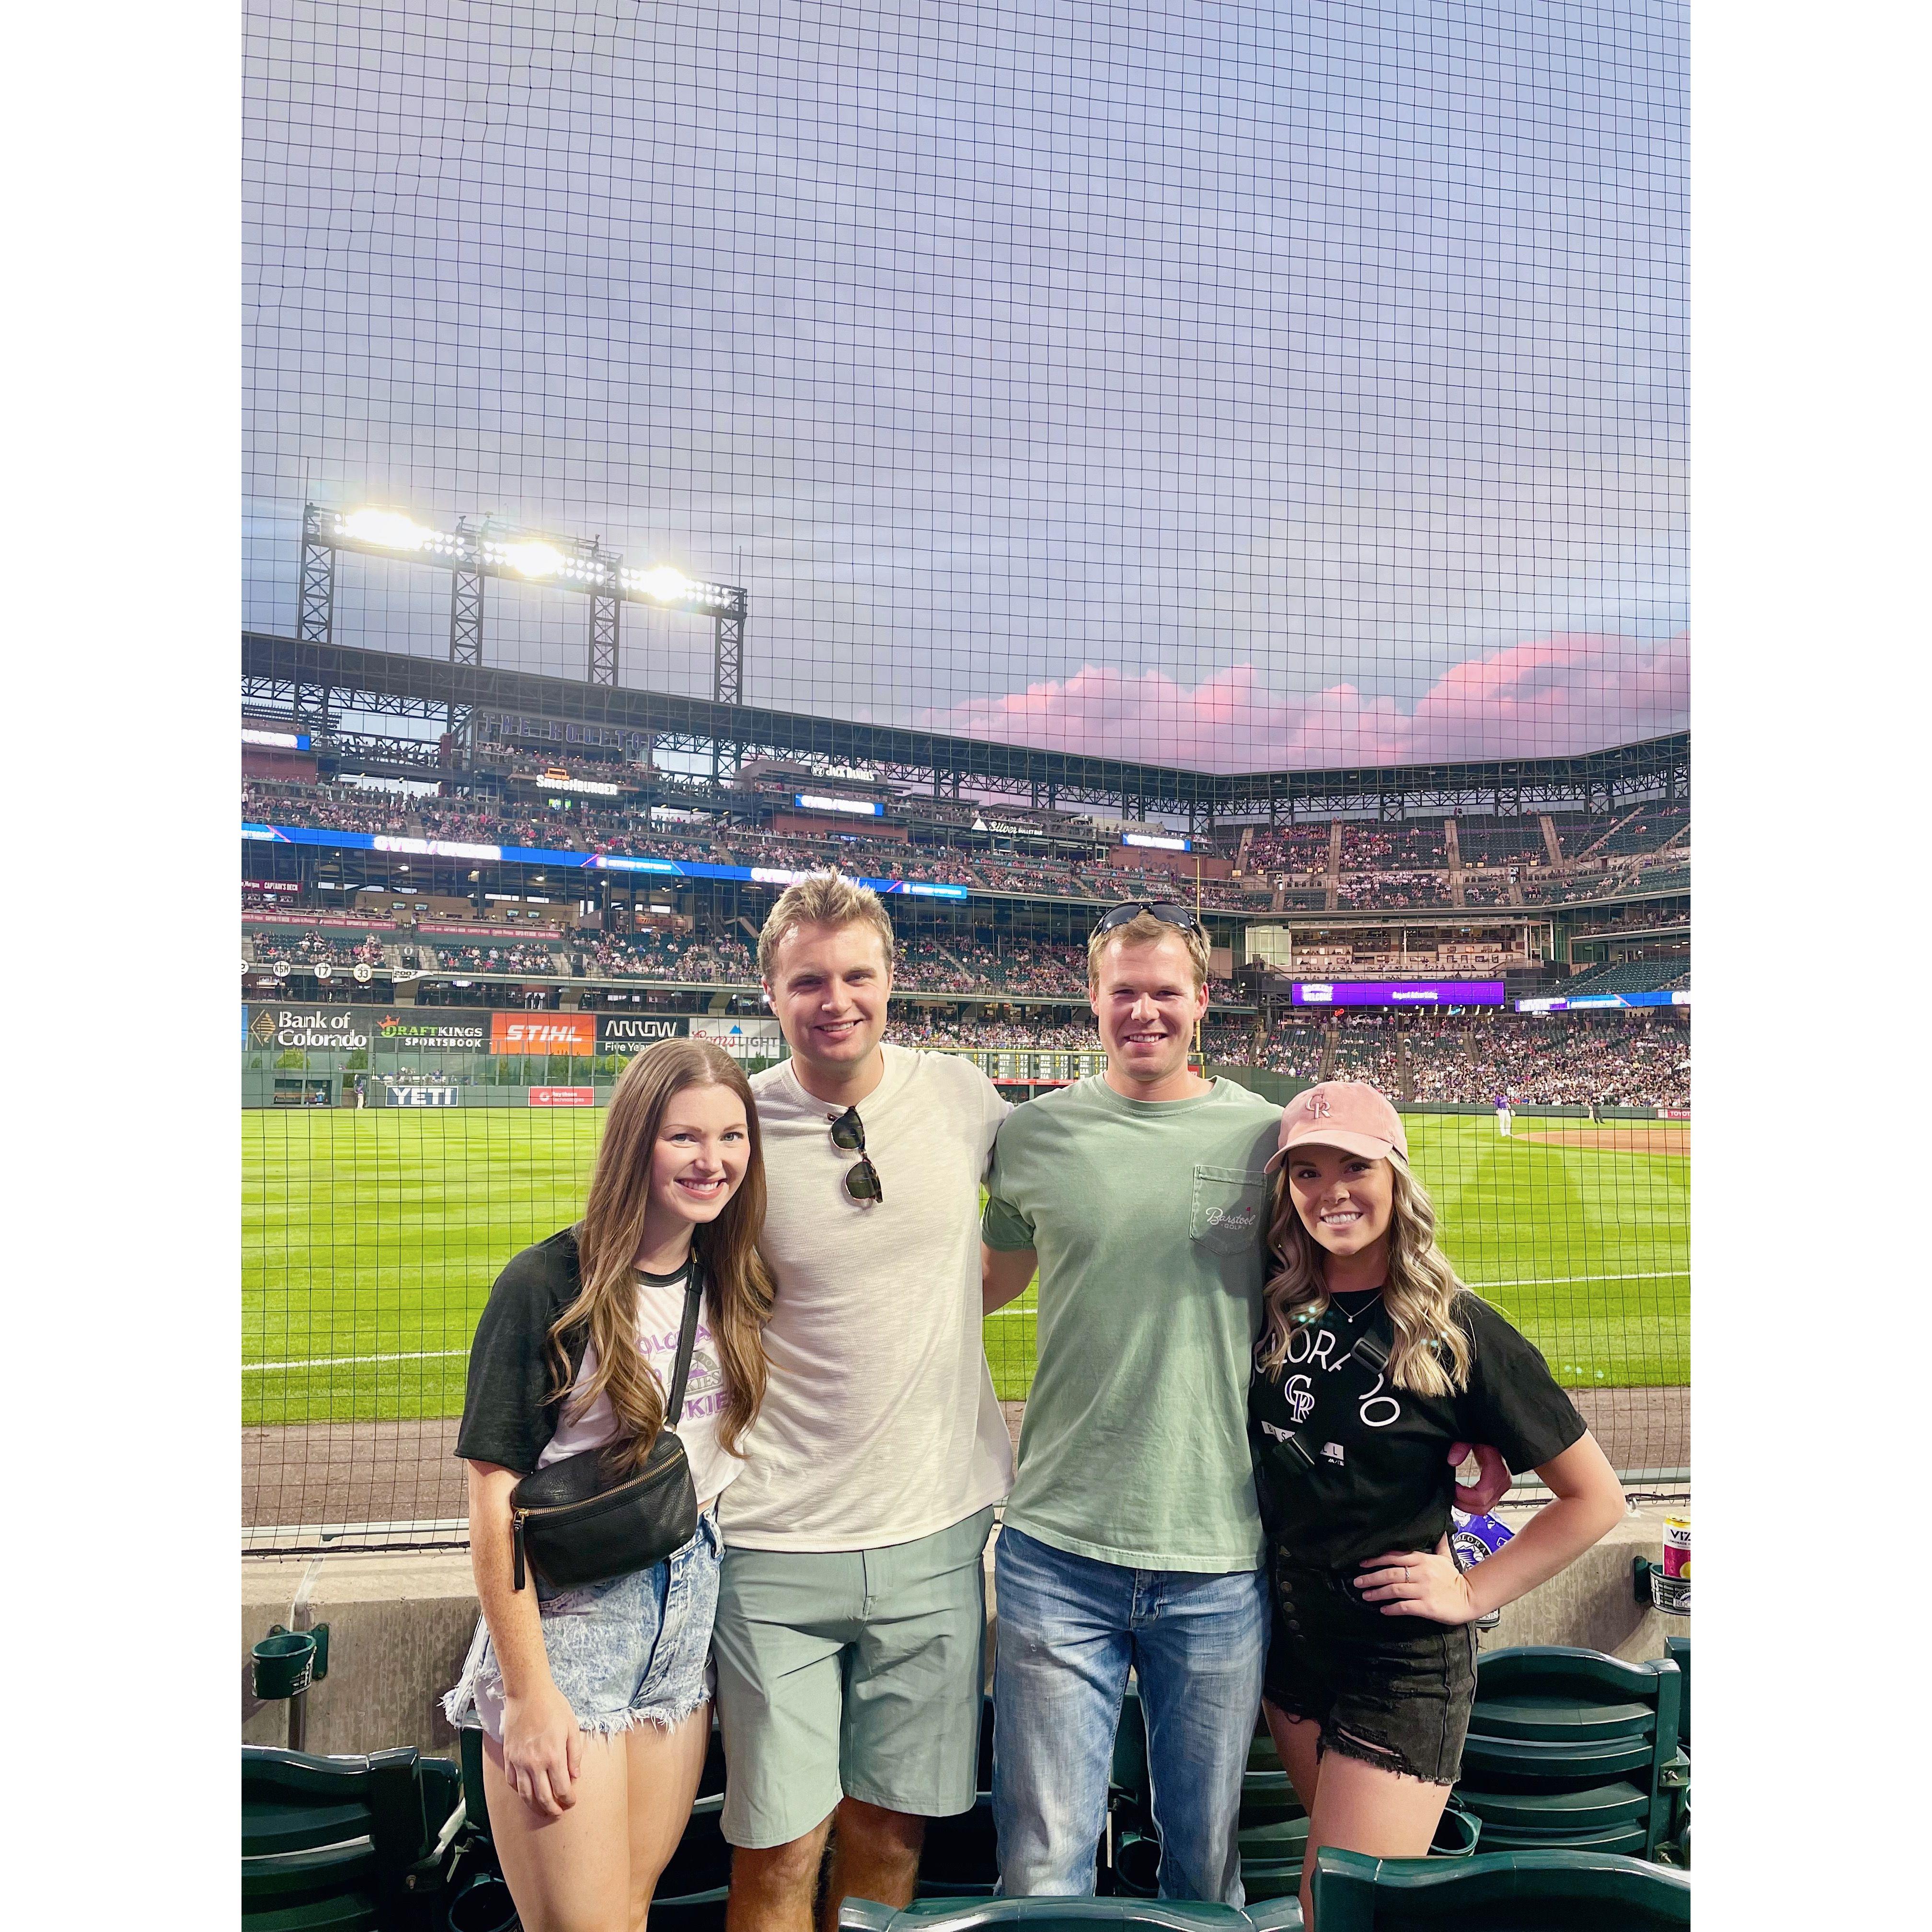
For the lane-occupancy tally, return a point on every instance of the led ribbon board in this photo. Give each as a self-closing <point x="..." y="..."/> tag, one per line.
<point x="538" y="855"/>
<point x="1397" y="993"/>
<point x="1584" y="1002"/>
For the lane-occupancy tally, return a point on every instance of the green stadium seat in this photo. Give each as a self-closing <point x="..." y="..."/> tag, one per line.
<point x="1555" y="1891"/>
<point x="1570" y="1748"/>
<point x="1676" y="1849"/>
<point x="961" y="1857"/>
<point x="1678" y="1649"/>
<point x="1273" y="1826"/>
<point x="1042" y="1914"/>
<point x="346" y="1844"/>
<point x="469" y="1755"/>
<point x="1272" y="1854"/>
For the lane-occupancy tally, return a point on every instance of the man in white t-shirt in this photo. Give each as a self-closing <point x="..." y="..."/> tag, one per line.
<point x="851" y="1611"/>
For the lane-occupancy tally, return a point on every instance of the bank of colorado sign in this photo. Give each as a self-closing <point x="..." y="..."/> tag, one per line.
<point x="563" y="1096"/>
<point x="308" y="1029"/>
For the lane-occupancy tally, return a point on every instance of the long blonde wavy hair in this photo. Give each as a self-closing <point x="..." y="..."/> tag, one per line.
<point x="738" y="1288"/>
<point x="1431" y="1355"/>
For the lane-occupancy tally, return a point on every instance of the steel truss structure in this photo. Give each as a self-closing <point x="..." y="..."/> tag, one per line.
<point x="493" y="549"/>
<point x="277" y="671"/>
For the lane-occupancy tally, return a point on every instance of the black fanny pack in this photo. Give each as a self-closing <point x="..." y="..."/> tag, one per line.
<point x="576" y="1526"/>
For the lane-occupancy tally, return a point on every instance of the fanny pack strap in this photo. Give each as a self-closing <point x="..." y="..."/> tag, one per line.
<point x="1370" y="1348"/>
<point x="687" y="1340"/>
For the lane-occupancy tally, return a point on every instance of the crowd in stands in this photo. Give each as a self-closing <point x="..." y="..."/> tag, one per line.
<point x="1062" y="1037"/>
<point x="312" y="948"/>
<point x="1289" y="849"/>
<point x="1395" y="890"/>
<point x="1393" y="865"/>
<point x="521" y="958"/>
<point x="1636" y="1059"/>
<point x="681" y="956"/>
<point x="1633" y="919"/>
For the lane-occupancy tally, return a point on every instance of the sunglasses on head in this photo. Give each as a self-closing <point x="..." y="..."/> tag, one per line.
<point x="1169" y="912"/>
<point x="848" y="1135"/>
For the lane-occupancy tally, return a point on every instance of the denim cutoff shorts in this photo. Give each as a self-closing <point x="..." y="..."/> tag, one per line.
<point x="635" y="1650"/>
<point x="1394" y="1692"/>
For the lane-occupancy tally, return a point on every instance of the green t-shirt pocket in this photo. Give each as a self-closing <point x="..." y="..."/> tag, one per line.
<point x="1229" y="1204"/>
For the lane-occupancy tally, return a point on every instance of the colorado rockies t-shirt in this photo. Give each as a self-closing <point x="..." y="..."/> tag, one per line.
<point x="660" y="1320"/>
<point x="1380" y="1478"/>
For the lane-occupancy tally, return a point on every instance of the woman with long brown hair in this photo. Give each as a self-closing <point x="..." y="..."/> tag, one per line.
<point x="595" y="1701"/>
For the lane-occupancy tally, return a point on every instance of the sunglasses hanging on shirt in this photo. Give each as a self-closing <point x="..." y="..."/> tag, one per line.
<point x="848" y="1136"/>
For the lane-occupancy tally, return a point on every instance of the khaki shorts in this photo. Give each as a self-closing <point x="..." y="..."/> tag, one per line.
<point x="851" y="1673"/>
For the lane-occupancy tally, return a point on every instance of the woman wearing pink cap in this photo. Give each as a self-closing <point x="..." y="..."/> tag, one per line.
<point x="1374" y="1358"/>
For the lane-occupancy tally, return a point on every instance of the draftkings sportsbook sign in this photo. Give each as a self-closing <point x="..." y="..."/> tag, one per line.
<point x="417" y="1033"/>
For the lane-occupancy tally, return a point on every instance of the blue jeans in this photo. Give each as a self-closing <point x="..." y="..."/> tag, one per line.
<point x="1069" y="1628"/>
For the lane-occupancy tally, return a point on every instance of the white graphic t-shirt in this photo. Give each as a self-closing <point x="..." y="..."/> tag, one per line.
<point x="880" y="1423"/>
<point x="660" y="1316"/>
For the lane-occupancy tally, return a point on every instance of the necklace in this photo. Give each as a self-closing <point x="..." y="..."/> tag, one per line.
<point x="1335" y="1302"/>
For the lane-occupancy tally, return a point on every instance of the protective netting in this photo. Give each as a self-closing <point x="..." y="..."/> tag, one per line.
<point x="1258" y="430"/>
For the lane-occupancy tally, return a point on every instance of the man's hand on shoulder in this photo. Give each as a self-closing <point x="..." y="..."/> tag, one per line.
<point x="1492" y="1479"/>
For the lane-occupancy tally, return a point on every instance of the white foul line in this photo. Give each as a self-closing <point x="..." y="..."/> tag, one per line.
<point x="442" y="1354"/>
<point x="349" y="1361"/>
<point x="1574" y="1280"/>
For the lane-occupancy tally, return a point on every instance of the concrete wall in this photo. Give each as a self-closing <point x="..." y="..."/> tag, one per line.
<point x="399" y="1627"/>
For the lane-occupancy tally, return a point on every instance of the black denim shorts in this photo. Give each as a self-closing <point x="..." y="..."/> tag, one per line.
<point x="1393" y="1691"/>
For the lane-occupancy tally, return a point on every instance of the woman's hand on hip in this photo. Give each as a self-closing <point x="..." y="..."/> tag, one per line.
<point x="543" y="1749"/>
<point x="1408" y="1583"/>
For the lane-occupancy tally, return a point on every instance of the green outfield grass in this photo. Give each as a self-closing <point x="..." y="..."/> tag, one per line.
<point x="370" y="1241"/>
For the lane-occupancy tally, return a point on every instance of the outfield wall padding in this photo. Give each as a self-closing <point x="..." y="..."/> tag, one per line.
<point x="1280" y="1087"/>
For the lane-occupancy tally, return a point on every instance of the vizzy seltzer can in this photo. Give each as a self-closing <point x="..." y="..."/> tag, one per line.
<point x="1677" y="1548"/>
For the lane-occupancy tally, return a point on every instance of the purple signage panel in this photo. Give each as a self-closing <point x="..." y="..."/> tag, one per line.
<point x="1397" y="993"/>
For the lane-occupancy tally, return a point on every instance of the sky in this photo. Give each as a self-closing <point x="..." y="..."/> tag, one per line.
<point x="1240" y="387"/>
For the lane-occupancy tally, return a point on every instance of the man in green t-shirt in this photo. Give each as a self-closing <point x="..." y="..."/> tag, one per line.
<point x="1133" y="1536"/>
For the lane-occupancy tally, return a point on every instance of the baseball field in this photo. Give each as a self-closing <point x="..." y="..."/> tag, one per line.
<point x="371" y="1239"/>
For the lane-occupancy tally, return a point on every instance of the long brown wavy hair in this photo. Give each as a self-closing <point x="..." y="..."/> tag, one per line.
<point x="1431" y="1355"/>
<point x="738" y="1288"/>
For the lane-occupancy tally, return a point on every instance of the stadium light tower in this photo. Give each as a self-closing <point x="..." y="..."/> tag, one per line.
<point x="497" y="549"/>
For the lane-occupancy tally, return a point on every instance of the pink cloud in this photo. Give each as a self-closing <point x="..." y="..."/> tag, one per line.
<point x="1563" y="694"/>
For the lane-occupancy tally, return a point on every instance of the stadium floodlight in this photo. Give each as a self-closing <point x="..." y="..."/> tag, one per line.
<point x="494" y="548"/>
<point x="534" y="559"/>
<point x="391" y="529"/>
<point x="664" y="584"/>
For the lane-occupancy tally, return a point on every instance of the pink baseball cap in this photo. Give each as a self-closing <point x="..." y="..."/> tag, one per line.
<point x="1342" y="1114"/>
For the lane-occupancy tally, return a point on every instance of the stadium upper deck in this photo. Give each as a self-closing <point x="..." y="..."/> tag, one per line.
<point x="546" y="837"/>
<point x="1442" y="865"/>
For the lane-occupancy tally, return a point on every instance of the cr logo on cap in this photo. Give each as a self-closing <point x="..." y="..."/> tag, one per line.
<point x="1316" y="1106"/>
